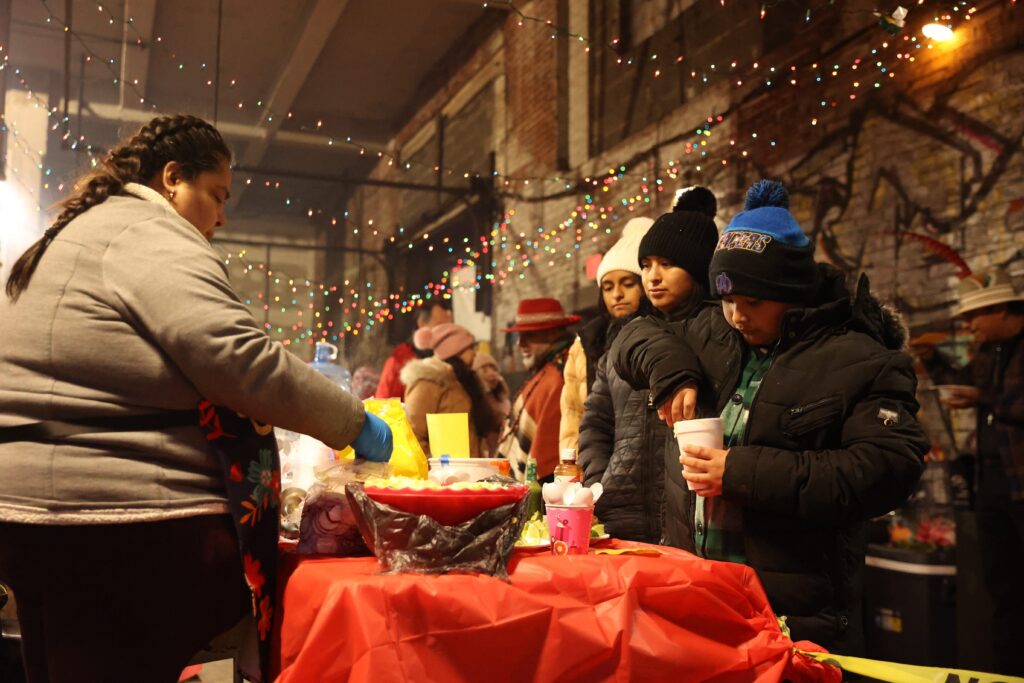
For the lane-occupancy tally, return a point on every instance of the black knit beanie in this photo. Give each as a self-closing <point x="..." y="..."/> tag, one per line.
<point x="687" y="235"/>
<point x="763" y="253"/>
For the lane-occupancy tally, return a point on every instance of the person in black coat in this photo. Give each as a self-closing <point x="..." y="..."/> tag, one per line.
<point x="818" y="408"/>
<point x="623" y="444"/>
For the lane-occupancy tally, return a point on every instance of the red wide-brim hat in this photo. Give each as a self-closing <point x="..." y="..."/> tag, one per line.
<point x="541" y="314"/>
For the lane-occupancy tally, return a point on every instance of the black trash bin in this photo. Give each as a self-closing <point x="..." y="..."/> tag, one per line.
<point x="910" y="606"/>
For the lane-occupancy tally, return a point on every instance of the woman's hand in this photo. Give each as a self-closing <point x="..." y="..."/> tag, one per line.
<point x="375" y="441"/>
<point x="704" y="468"/>
<point x="682" y="406"/>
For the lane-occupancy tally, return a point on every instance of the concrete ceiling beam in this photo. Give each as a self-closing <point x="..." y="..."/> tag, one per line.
<point x="308" y="45"/>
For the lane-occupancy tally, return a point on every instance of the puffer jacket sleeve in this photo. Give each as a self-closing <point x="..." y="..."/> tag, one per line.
<point x="873" y="472"/>
<point x="597" y="429"/>
<point x="652" y="354"/>
<point x="574" y="392"/>
<point x="175" y="290"/>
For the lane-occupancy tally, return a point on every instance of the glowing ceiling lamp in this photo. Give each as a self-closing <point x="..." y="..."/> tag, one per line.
<point x="940" y="33"/>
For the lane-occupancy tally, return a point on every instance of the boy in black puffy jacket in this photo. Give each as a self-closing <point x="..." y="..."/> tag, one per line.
<point x="817" y="402"/>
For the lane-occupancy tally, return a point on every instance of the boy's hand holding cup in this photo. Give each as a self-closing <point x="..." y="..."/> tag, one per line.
<point x="701" y="454"/>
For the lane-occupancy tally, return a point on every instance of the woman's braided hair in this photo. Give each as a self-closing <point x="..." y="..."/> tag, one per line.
<point x="192" y="142"/>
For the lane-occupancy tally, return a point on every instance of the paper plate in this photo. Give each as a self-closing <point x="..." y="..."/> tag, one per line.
<point x="546" y="542"/>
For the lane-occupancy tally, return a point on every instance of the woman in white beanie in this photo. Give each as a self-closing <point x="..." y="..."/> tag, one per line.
<point x="620" y="298"/>
<point x="623" y="444"/>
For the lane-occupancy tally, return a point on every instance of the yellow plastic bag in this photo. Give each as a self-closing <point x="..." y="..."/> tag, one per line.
<point x="408" y="459"/>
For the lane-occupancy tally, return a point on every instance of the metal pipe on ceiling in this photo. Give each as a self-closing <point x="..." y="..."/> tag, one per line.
<point x="294" y="245"/>
<point x="350" y="180"/>
<point x="5" y="41"/>
<point x="67" y="66"/>
<point x="216" y="76"/>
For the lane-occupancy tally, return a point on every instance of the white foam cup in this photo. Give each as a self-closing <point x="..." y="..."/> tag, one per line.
<point x="706" y="432"/>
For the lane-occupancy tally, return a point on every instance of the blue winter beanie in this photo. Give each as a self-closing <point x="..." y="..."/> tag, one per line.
<point x="763" y="253"/>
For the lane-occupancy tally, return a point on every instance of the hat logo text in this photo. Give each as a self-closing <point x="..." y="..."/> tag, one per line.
<point x="741" y="239"/>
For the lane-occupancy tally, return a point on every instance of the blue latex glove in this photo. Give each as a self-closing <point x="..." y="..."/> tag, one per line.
<point x="375" y="441"/>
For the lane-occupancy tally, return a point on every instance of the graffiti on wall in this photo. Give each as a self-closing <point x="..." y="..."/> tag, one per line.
<point x="949" y="170"/>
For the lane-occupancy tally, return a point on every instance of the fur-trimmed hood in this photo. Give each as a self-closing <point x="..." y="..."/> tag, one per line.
<point x="835" y="307"/>
<point x="430" y="369"/>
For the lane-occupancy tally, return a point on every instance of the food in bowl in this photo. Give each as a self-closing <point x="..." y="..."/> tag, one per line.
<point x="427" y="485"/>
<point x="449" y="505"/>
<point x="450" y="470"/>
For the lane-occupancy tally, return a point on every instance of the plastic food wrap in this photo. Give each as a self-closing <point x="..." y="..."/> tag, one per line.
<point x="409" y="543"/>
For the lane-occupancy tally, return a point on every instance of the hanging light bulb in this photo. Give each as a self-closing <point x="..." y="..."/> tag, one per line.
<point x="940" y="33"/>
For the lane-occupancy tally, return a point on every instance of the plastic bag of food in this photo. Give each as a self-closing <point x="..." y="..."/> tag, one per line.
<point x="328" y="526"/>
<point x="407" y="459"/>
<point x="409" y="543"/>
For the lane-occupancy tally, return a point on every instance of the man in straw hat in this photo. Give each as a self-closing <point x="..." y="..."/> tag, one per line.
<point x="532" y="427"/>
<point x="994" y="313"/>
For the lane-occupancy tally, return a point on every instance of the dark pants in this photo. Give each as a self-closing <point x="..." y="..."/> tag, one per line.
<point x="1001" y="538"/>
<point x="121" y="602"/>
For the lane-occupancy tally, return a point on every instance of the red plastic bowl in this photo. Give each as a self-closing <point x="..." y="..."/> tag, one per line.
<point x="448" y="506"/>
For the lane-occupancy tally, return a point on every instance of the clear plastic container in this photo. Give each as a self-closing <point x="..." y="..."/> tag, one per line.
<point x="302" y="455"/>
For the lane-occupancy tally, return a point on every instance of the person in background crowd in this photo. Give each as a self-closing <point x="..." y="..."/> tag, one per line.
<point x="114" y="532"/>
<point x="390" y="386"/>
<point x="446" y="383"/>
<point x="496" y="392"/>
<point x="994" y="313"/>
<point x="623" y="444"/>
<point x="816" y="397"/>
<point x="364" y="382"/>
<point x="532" y="427"/>
<point x="619" y="296"/>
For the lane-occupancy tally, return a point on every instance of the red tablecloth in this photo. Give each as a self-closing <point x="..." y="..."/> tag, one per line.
<point x="589" y="618"/>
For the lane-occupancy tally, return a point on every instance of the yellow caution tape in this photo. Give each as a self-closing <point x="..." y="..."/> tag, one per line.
<point x="906" y="673"/>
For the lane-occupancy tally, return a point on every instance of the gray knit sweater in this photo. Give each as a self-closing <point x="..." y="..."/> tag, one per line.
<point x="131" y="312"/>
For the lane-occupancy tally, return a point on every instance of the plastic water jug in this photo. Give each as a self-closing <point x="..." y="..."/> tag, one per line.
<point x="323" y="362"/>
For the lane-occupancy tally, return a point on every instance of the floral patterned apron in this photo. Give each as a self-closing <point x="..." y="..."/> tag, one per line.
<point x="252" y="476"/>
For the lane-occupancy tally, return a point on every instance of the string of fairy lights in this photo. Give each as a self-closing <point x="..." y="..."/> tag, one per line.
<point x="499" y="236"/>
<point x="702" y="73"/>
<point x="395" y="160"/>
<point x="511" y="253"/>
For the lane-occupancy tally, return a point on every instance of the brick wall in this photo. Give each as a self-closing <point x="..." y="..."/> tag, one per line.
<point x="934" y="150"/>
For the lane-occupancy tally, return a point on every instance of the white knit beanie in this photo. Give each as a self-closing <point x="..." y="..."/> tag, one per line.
<point x="623" y="254"/>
